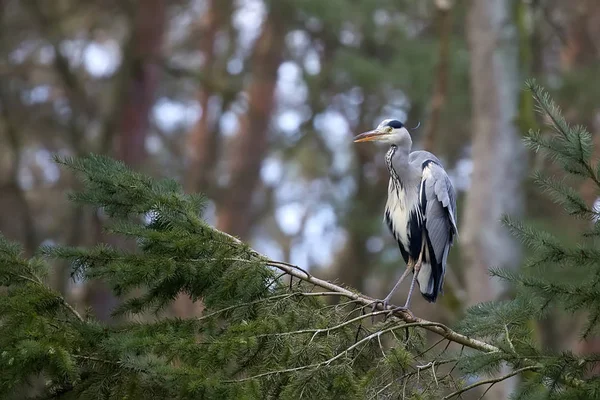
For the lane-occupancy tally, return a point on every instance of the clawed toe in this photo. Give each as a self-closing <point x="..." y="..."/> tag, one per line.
<point x="388" y="312"/>
<point x="400" y="308"/>
<point x="374" y="308"/>
<point x="385" y="303"/>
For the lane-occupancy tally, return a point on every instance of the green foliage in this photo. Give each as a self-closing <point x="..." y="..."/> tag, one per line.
<point x="559" y="278"/>
<point x="570" y="146"/>
<point x="258" y="337"/>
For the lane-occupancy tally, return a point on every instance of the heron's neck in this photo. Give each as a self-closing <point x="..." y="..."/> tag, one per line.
<point x="397" y="154"/>
<point x="396" y="160"/>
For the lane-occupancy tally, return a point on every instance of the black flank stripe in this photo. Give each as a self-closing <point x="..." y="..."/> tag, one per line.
<point x="415" y="233"/>
<point x="423" y="198"/>
<point x="436" y="272"/>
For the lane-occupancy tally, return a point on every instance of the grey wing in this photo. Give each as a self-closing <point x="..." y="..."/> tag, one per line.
<point x="438" y="204"/>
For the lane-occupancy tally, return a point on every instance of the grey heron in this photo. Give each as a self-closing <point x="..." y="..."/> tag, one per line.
<point x="420" y="210"/>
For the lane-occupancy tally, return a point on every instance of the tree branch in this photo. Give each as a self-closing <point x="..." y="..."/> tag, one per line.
<point x="271" y="298"/>
<point x="493" y="381"/>
<point x="409" y="319"/>
<point x="405" y="316"/>
<point x="317" y="331"/>
<point x="364" y="340"/>
<point x="37" y="281"/>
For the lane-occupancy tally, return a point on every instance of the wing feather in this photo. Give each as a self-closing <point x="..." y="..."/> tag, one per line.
<point x="438" y="206"/>
<point x="440" y="210"/>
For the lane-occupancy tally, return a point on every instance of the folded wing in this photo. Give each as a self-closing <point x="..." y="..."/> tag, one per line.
<point x="438" y="206"/>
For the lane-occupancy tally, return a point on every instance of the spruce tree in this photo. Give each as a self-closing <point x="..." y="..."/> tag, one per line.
<point x="561" y="277"/>
<point x="267" y="330"/>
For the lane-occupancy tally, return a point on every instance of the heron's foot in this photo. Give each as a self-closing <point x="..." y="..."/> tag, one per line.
<point x="385" y="303"/>
<point x="400" y="308"/>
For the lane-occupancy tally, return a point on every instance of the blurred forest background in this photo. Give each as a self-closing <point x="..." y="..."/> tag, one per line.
<point x="255" y="102"/>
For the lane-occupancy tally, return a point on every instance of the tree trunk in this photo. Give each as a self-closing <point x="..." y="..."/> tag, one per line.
<point x="440" y="86"/>
<point x="250" y="144"/>
<point x="579" y="48"/>
<point x="498" y="155"/>
<point x="142" y="82"/>
<point x="203" y="139"/>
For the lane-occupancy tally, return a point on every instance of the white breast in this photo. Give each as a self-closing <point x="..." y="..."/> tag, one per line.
<point x="399" y="203"/>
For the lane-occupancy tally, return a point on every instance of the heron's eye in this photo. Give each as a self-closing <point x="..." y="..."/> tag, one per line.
<point x="389" y="129"/>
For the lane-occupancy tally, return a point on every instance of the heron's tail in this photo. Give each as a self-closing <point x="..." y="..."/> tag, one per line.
<point x="431" y="275"/>
<point x="426" y="282"/>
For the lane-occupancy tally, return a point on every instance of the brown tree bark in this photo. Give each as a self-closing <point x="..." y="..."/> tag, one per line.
<point x="580" y="44"/>
<point x="440" y="88"/>
<point x="149" y="27"/>
<point x="202" y="142"/>
<point x="498" y="156"/>
<point x="142" y="80"/>
<point x="250" y="144"/>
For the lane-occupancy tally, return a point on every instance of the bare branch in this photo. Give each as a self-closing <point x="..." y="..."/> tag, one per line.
<point x="493" y="381"/>
<point x="512" y="347"/>
<point x="406" y="316"/>
<point x="409" y="319"/>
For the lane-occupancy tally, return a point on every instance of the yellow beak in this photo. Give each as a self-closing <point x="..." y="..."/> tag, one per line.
<point x="369" y="136"/>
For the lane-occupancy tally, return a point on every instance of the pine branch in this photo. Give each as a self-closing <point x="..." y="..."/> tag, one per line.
<point x="547" y="106"/>
<point x="564" y="195"/>
<point x="366" y="339"/>
<point x="276" y="297"/>
<point x="61" y="299"/>
<point x="405" y="316"/>
<point x="252" y="322"/>
<point x="318" y="331"/>
<point x="36" y="280"/>
<point x="572" y="146"/>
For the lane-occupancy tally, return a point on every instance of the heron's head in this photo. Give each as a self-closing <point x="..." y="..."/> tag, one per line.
<point x="389" y="131"/>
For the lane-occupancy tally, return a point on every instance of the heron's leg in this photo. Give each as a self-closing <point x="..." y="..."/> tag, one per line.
<point x="386" y="301"/>
<point x="414" y="279"/>
<point x="417" y="268"/>
<point x="409" y="268"/>
<point x="412" y="285"/>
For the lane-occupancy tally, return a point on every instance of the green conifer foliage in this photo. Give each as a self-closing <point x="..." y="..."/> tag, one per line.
<point x="559" y="277"/>
<point x="258" y="336"/>
<point x="265" y="335"/>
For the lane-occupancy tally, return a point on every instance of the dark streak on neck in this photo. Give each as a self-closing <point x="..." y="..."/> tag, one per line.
<point x="388" y="161"/>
